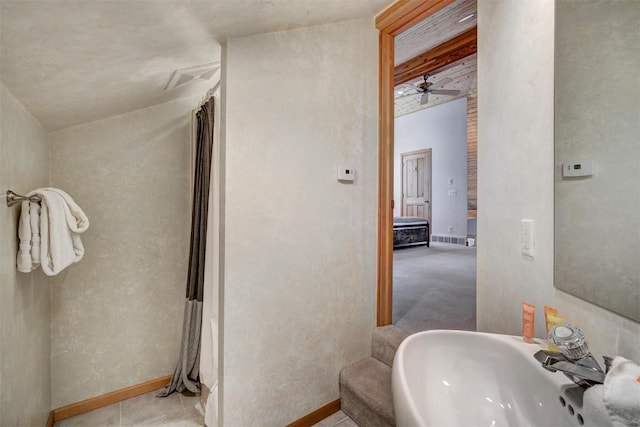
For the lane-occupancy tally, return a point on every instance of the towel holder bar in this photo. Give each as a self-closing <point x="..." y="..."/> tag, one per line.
<point x="14" y="199"/>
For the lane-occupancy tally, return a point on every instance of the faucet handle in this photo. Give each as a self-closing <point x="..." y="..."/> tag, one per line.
<point x="548" y="358"/>
<point x="570" y="340"/>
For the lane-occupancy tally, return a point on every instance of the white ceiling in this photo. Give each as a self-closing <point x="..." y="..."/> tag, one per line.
<point x="74" y="61"/>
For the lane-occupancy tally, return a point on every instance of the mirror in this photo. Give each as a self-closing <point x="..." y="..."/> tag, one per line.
<point x="597" y="153"/>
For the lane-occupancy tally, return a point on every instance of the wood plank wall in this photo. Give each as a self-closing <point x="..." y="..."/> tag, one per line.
<point x="472" y="156"/>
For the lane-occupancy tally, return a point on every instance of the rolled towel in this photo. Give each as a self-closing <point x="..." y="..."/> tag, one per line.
<point x="34" y="216"/>
<point x="24" y="234"/>
<point x="621" y="393"/>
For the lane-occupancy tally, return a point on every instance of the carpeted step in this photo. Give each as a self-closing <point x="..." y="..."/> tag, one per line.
<point x="385" y="342"/>
<point x="365" y="393"/>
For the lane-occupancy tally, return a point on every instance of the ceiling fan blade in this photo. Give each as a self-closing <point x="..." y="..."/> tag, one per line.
<point x="405" y="89"/>
<point x="424" y="98"/>
<point x="404" y="95"/>
<point x="441" y="82"/>
<point x="445" y="92"/>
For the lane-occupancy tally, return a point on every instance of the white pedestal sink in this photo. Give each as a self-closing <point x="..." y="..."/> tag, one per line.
<point x="460" y="378"/>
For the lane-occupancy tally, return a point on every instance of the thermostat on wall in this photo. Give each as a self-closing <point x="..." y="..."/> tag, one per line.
<point x="571" y="168"/>
<point x="346" y="174"/>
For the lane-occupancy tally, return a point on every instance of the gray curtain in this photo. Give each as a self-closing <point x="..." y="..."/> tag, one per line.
<point x="187" y="373"/>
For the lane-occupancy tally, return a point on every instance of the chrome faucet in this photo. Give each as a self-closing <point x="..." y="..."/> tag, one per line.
<point x="574" y="360"/>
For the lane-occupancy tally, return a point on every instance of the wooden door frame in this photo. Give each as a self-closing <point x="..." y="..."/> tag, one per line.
<point x="391" y="22"/>
<point x="402" y="176"/>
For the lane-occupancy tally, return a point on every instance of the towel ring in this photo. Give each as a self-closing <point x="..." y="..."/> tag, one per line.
<point x="13" y="198"/>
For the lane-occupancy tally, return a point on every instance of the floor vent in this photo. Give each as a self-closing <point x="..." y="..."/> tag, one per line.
<point x="449" y="239"/>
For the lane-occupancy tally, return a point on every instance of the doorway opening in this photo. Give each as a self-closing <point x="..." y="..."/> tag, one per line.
<point x="428" y="286"/>
<point x="434" y="283"/>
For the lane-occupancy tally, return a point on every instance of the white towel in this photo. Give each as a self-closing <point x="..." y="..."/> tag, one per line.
<point x="29" y="235"/>
<point x="622" y="392"/>
<point x="49" y="234"/>
<point x="24" y="234"/>
<point x="593" y="408"/>
<point x="60" y="222"/>
<point x="34" y="216"/>
<point x="75" y="217"/>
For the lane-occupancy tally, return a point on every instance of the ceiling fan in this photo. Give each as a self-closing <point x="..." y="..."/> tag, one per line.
<point x="425" y="88"/>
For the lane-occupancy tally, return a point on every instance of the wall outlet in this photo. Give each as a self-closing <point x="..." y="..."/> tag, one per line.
<point x="450" y="229"/>
<point x="527" y="237"/>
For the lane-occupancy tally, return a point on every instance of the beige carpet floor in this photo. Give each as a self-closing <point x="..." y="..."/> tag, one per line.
<point x="434" y="287"/>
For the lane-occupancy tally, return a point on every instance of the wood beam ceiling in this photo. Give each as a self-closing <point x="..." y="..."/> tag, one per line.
<point x="438" y="58"/>
<point x="406" y="13"/>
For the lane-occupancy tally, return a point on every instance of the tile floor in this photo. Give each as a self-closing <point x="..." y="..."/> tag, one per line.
<point x="339" y="419"/>
<point x="144" y="410"/>
<point x="175" y="410"/>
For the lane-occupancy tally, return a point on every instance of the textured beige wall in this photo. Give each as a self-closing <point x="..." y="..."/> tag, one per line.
<point x="116" y="316"/>
<point x="598" y="117"/>
<point x="300" y="261"/>
<point x="25" y="374"/>
<point x="515" y="178"/>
